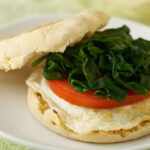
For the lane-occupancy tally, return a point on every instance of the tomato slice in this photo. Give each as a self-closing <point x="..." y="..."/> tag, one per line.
<point x="64" y="90"/>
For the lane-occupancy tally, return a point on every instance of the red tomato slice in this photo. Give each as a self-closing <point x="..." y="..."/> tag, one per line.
<point x="64" y="90"/>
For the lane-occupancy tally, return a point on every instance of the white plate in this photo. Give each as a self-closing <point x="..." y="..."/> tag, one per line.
<point x="17" y="123"/>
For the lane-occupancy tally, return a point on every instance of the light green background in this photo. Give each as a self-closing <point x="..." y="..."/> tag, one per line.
<point x="11" y="10"/>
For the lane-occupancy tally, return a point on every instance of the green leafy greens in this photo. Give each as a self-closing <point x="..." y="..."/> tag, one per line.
<point x="109" y="63"/>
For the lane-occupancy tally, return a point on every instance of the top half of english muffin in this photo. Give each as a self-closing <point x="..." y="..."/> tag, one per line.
<point x="16" y="51"/>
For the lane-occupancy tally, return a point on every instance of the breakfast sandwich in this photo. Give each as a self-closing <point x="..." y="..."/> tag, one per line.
<point x="88" y="84"/>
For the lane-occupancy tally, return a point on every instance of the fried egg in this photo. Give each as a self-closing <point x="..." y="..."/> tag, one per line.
<point x="84" y="120"/>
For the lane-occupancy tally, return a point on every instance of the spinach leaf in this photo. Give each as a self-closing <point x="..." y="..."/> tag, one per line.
<point x="136" y="87"/>
<point x="110" y="62"/>
<point x="39" y="60"/>
<point x="90" y="71"/>
<point x="80" y="86"/>
<point x="115" y="91"/>
<point x="145" y="80"/>
<point x="143" y="44"/>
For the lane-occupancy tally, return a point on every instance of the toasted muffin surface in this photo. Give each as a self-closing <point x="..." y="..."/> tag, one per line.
<point x="117" y="122"/>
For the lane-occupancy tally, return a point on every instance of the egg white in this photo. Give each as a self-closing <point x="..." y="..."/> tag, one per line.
<point x="84" y="120"/>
